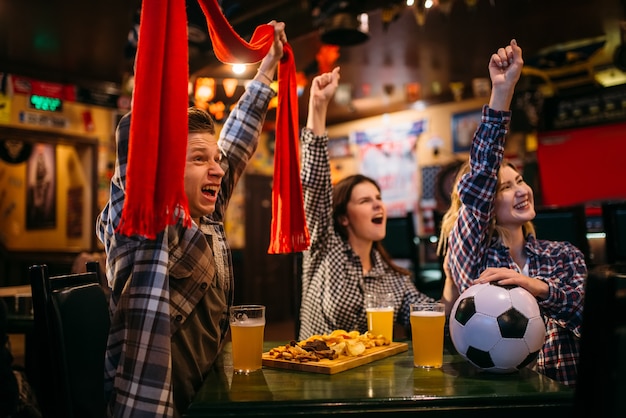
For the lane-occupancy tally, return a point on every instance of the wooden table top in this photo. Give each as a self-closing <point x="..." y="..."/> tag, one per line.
<point x="15" y="291"/>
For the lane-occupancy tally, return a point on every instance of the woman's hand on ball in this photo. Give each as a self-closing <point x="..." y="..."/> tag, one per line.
<point x="509" y="277"/>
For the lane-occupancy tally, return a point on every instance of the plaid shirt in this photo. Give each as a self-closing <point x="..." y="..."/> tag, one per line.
<point x="559" y="264"/>
<point x="157" y="284"/>
<point x="333" y="283"/>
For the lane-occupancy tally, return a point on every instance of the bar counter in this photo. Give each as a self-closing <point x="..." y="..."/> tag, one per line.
<point x="390" y="386"/>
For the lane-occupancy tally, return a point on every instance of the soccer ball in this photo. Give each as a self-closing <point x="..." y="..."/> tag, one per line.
<point x="497" y="328"/>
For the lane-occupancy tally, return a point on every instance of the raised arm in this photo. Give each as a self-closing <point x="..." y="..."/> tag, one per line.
<point x="468" y="241"/>
<point x="505" y="68"/>
<point x="316" y="183"/>
<point x="267" y="69"/>
<point x="323" y="88"/>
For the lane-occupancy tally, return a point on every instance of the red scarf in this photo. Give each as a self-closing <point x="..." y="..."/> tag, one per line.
<point x="289" y="232"/>
<point x="158" y="132"/>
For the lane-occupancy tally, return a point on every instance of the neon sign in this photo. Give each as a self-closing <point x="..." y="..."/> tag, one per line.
<point x="48" y="104"/>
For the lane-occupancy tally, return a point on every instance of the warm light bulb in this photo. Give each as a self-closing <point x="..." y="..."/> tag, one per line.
<point x="364" y="25"/>
<point x="239" y="68"/>
<point x="205" y="91"/>
<point x="230" y="85"/>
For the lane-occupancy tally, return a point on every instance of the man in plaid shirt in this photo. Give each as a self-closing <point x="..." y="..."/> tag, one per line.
<point x="171" y="295"/>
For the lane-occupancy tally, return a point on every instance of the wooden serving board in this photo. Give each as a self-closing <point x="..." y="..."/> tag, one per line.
<point x="337" y="365"/>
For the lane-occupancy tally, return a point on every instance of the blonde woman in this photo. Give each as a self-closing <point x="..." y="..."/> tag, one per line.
<point x="488" y="236"/>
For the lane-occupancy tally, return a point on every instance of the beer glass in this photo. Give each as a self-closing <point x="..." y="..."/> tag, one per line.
<point x="379" y="309"/>
<point x="247" y="324"/>
<point x="427" y="323"/>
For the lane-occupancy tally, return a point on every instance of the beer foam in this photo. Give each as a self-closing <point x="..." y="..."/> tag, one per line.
<point x="383" y="309"/>
<point x="249" y="322"/>
<point x="427" y="313"/>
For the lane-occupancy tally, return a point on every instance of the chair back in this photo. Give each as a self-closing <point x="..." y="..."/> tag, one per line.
<point x="614" y="220"/>
<point x="72" y="323"/>
<point x="601" y="385"/>
<point x="405" y="248"/>
<point x="400" y="242"/>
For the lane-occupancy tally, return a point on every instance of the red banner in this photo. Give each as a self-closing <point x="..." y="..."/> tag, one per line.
<point x="582" y="165"/>
<point x="25" y="85"/>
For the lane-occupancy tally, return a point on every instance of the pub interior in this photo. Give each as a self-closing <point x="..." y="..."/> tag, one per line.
<point x="413" y="81"/>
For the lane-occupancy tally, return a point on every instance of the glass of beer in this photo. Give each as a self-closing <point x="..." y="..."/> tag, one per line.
<point x="247" y="324"/>
<point x="379" y="309"/>
<point x="427" y="323"/>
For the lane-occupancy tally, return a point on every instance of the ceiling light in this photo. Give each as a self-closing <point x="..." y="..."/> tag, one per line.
<point x="239" y="68"/>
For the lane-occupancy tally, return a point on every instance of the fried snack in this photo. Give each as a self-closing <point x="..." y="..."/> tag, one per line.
<point x="330" y="346"/>
<point x="354" y="347"/>
<point x="293" y="351"/>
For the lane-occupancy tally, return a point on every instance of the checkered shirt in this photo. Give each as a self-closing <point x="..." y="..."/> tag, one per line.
<point x="333" y="283"/>
<point x="559" y="264"/>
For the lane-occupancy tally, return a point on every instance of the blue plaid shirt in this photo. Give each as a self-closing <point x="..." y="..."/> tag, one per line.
<point x="559" y="264"/>
<point x="158" y="285"/>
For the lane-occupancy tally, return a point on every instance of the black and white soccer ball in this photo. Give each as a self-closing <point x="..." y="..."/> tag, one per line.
<point x="498" y="329"/>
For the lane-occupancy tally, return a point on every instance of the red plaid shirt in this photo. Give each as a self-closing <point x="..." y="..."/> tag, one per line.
<point x="559" y="264"/>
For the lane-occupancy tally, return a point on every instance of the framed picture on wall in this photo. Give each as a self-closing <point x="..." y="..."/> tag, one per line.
<point x="41" y="187"/>
<point x="463" y="127"/>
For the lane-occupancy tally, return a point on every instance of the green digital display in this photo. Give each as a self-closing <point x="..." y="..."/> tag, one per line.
<point x="49" y="104"/>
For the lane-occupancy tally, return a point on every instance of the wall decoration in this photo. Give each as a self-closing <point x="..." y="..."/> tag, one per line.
<point x="14" y="151"/>
<point x="339" y="147"/>
<point x="41" y="187"/>
<point x="427" y="202"/>
<point x="463" y="127"/>
<point x="435" y="144"/>
<point x="429" y="176"/>
<point x="601" y="148"/>
<point x="457" y="89"/>
<point x="387" y="154"/>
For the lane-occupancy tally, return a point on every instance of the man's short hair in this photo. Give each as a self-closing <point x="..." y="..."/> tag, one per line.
<point x="200" y="121"/>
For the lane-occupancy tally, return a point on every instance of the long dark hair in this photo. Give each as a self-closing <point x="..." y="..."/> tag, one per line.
<point x="342" y="192"/>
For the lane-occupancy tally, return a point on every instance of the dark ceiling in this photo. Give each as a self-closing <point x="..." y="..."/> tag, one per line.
<point x="87" y="42"/>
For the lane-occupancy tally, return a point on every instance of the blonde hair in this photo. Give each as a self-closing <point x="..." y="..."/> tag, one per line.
<point x="452" y="214"/>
